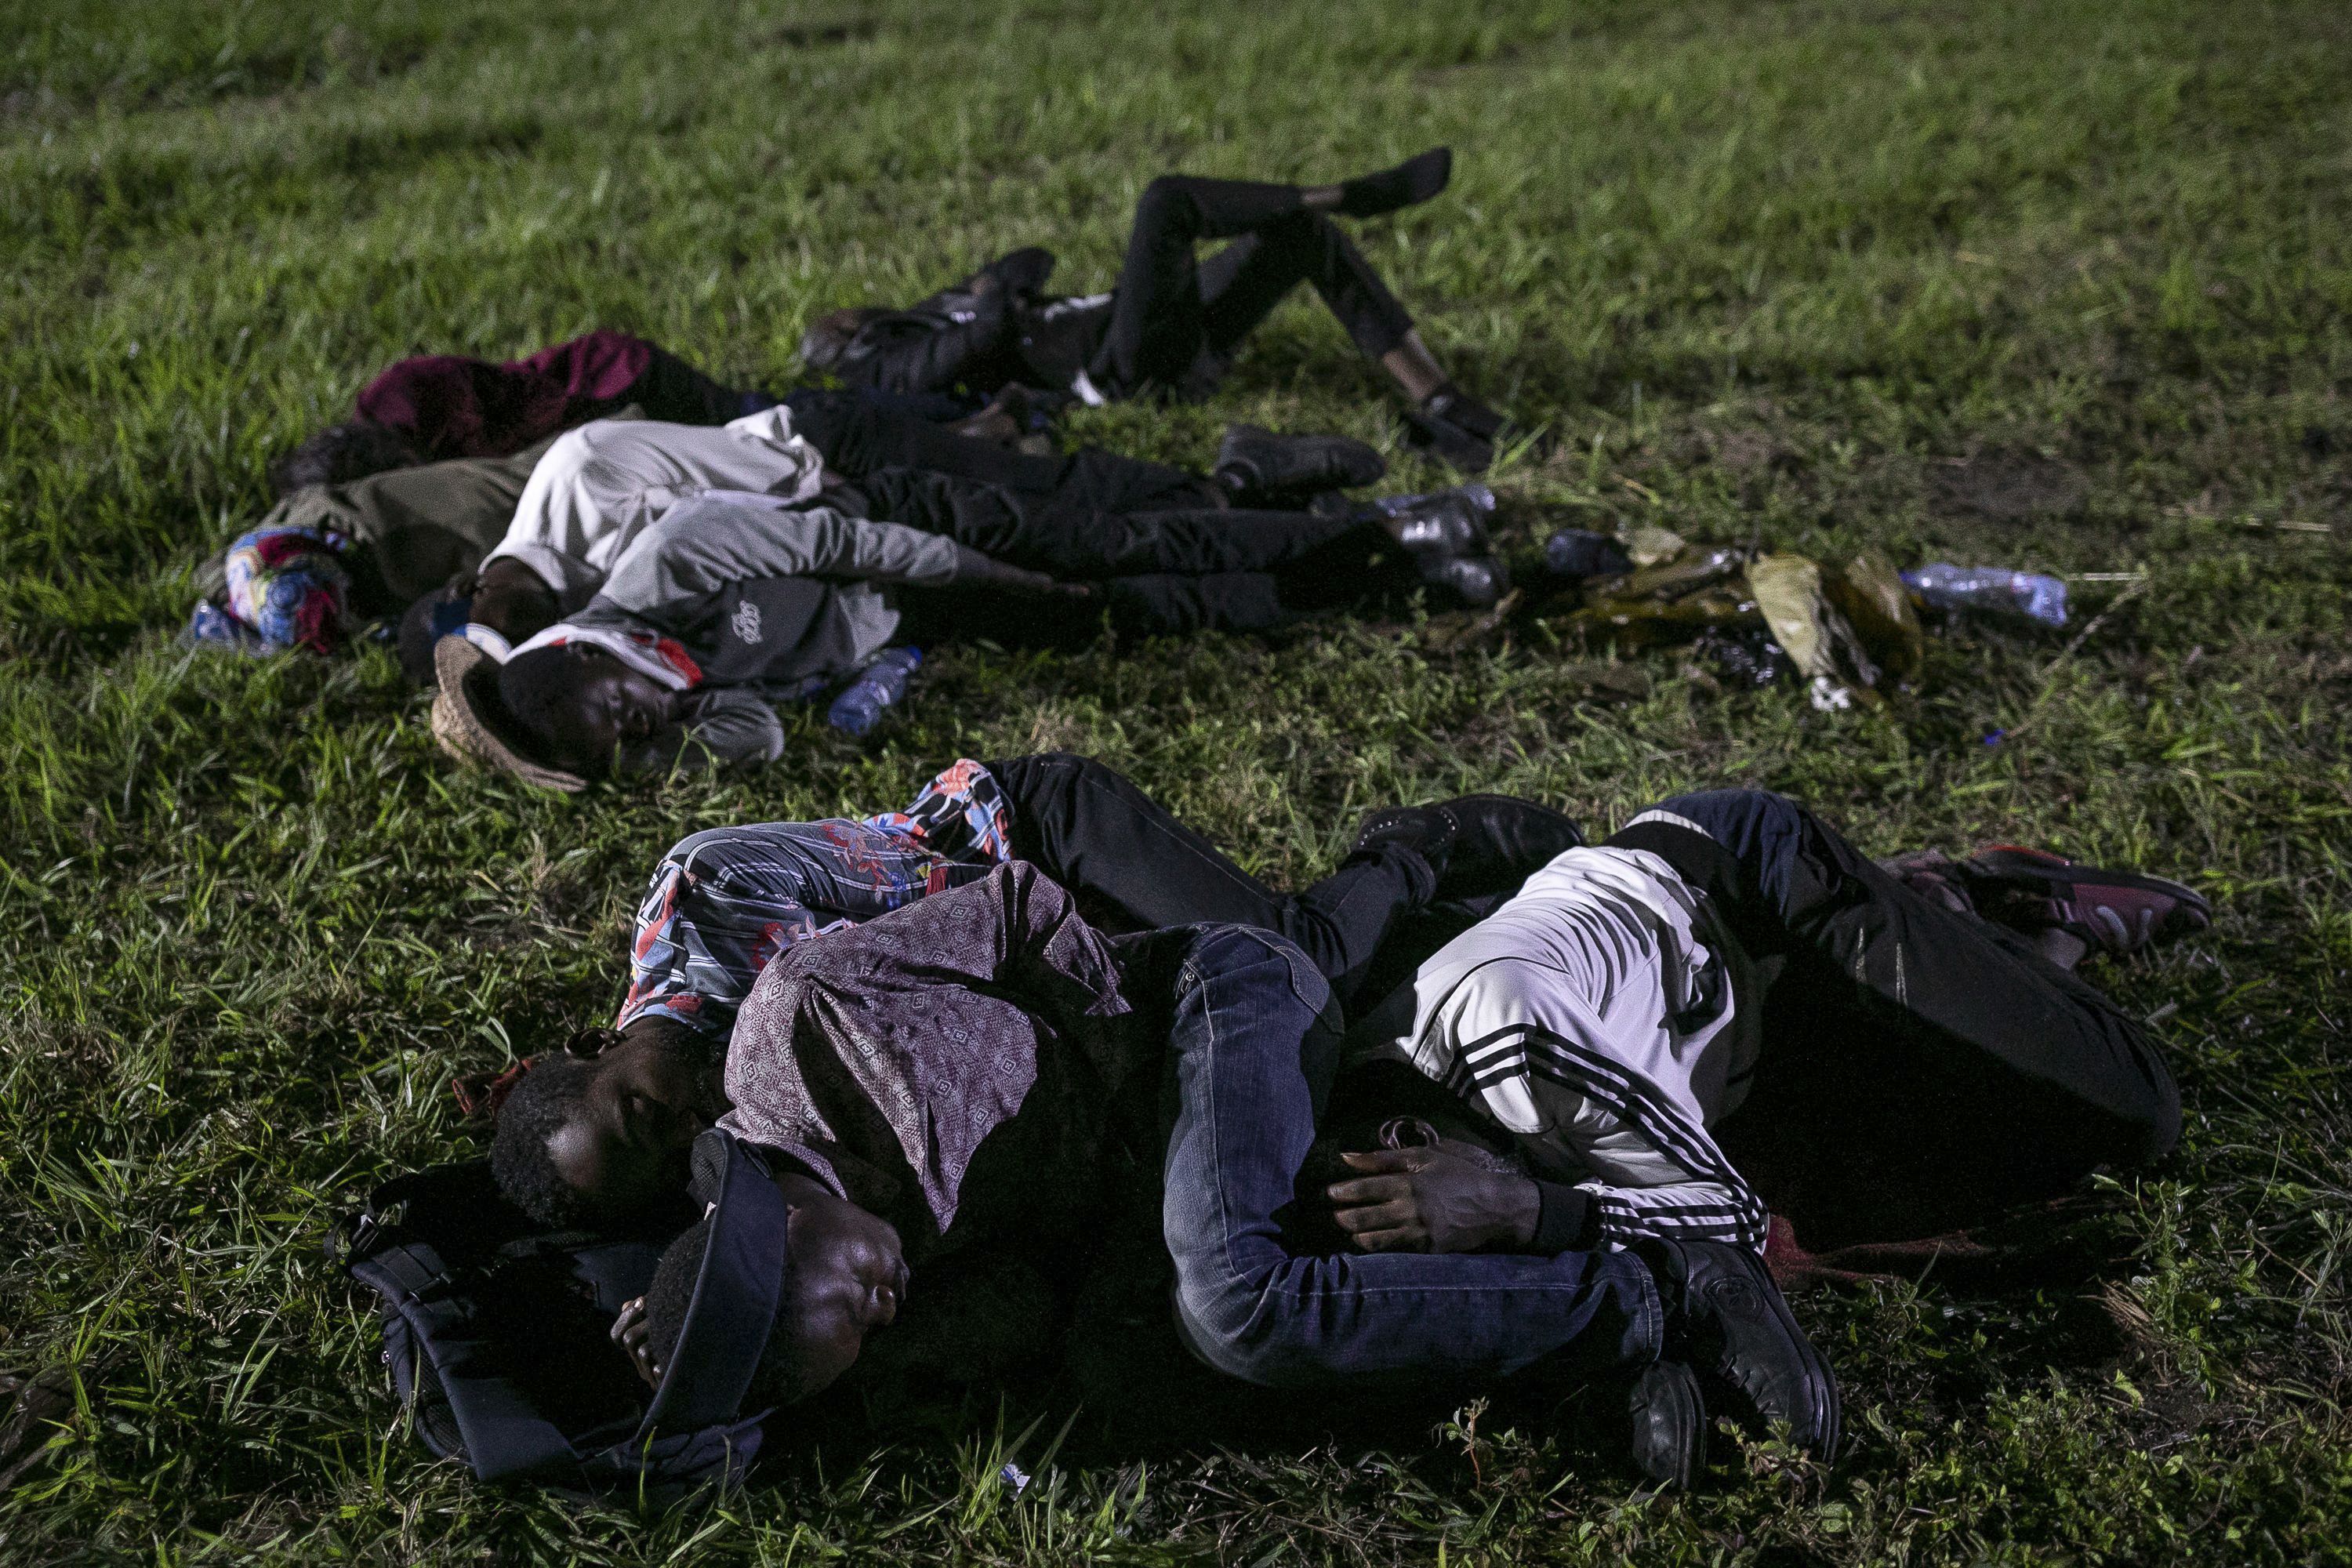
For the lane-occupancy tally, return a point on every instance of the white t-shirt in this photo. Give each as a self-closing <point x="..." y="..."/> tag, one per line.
<point x="603" y="484"/>
<point x="1590" y="1018"/>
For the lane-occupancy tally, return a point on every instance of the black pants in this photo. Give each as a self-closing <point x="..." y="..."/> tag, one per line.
<point x="1175" y="321"/>
<point x="1921" y="1070"/>
<point x="859" y="432"/>
<point x="675" y="393"/>
<point x="1110" y="520"/>
<point x="1135" y="868"/>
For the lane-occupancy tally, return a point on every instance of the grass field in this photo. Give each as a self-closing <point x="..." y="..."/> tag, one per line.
<point x="2054" y="286"/>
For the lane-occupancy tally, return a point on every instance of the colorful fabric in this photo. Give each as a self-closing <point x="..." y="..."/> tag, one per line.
<point x="288" y="587"/>
<point x="216" y="627"/>
<point x="723" y="903"/>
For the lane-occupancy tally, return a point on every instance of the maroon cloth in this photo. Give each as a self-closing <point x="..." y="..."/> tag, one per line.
<point x="451" y="406"/>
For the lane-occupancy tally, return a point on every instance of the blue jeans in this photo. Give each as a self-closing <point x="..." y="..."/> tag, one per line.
<point x="1255" y="1042"/>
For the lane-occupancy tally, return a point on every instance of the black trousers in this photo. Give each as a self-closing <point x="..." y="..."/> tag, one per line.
<point x="1135" y="868"/>
<point x="859" y="432"/>
<point x="1175" y="319"/>
<point x="1164" y="567"/>
<point x="675" y="393"/>
<point x="1921" y="1070"/>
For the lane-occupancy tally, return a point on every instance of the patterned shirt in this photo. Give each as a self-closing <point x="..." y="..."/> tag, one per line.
<point x="724" y="903"/>
<point x="955" y="1068"/>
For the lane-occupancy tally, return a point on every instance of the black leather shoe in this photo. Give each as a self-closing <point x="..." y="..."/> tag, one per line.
<point x="1727" y="1320"/>
<point x="1669" y="1420"/>
<point x="1442" y="523"/>
<point x="1259" y="465"/>
<point x="1456" y="428"/>
<point x="1477" y="844"/>
<point x="1477" y="582"/>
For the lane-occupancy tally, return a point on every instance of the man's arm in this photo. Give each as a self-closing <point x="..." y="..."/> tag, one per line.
<point x="721" y="724"/>
<point x="703" y="545"/>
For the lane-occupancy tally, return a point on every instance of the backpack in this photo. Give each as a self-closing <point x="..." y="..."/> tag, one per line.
<point x="497" y="1332"/>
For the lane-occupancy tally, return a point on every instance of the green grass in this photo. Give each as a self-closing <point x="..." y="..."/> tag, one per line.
<point x="1763" y="270"/>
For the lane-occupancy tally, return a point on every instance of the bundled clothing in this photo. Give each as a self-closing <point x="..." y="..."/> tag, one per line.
<point x="398" y="535"/>
<point x="1171" y="326"/>
<point x="1727" y="1005"/>
<point x="449" y="406"/>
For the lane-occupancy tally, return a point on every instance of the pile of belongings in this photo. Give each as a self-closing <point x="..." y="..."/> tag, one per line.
<point x="1848" y="632"/>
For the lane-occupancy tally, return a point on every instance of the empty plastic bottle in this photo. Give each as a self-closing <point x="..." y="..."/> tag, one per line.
<point x="1991" y="589"/>
<point x="878" y="686"/>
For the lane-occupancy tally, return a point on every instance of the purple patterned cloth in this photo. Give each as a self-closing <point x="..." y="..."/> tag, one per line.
<point x="953" y="1066"/>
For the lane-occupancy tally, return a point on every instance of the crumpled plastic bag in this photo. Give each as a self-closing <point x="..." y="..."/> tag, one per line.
<point x="1791" y="593"/>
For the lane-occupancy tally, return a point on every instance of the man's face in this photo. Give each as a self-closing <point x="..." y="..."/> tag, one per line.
<point x="605" y="706"/>
<point x="626" y="1147"/>
<point x="847" y="1278"/>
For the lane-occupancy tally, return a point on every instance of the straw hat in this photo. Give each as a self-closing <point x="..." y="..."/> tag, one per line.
<point x="469" y="716"/>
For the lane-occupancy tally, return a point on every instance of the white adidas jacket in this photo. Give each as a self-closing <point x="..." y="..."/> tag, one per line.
<point x="1588" y="1018"/>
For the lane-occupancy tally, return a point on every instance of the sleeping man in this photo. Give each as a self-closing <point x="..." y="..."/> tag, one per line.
<point x="1932" y="1067"/>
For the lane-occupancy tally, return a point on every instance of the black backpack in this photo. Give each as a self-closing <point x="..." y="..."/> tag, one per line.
<point x="497" y="1332"/>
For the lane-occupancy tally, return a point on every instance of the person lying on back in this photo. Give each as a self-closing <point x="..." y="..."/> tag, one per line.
<point x="1172" y="323"/>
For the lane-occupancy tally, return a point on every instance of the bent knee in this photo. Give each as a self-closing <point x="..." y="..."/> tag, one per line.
<point x="1228" y="1336"/>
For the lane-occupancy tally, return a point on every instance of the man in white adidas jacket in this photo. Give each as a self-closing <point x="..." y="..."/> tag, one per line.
<point x="1904" y="1064"/>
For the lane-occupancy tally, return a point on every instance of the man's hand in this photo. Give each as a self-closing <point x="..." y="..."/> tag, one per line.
<point x="629" y="1333"/>
<point x="1020" y="580"/>
<point x="1433" y="1199"/>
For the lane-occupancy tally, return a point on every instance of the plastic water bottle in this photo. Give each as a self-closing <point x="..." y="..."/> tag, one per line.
<point x="1992" y="589"/>
<point x="1480" y="498"/>
<point x="878" y="686"/>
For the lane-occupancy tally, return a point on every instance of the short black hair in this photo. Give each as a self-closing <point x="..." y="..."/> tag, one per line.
<point x="419" y="633"/>
<point x="545" y="1098"/>
<point x="534" y="687"/>
<point x="342" y="453"/>
<point x="829" y="338"/>
<point x="671" y="1296"/>
<point x="672" y="1291"/>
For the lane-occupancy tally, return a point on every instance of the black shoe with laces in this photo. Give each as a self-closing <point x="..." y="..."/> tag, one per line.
<point x="1479" y="582"/>
<point x="1727" y="1320"/>
<point x="1260" y="466"/>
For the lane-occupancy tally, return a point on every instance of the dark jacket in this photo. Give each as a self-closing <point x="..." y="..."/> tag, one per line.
<point x="995" y="328"/>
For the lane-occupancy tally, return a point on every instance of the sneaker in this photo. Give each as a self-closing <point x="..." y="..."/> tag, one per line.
<point x="1935" y="877"/>
<point x="2117" y="912"/>
<point x="1259" y="465"/>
